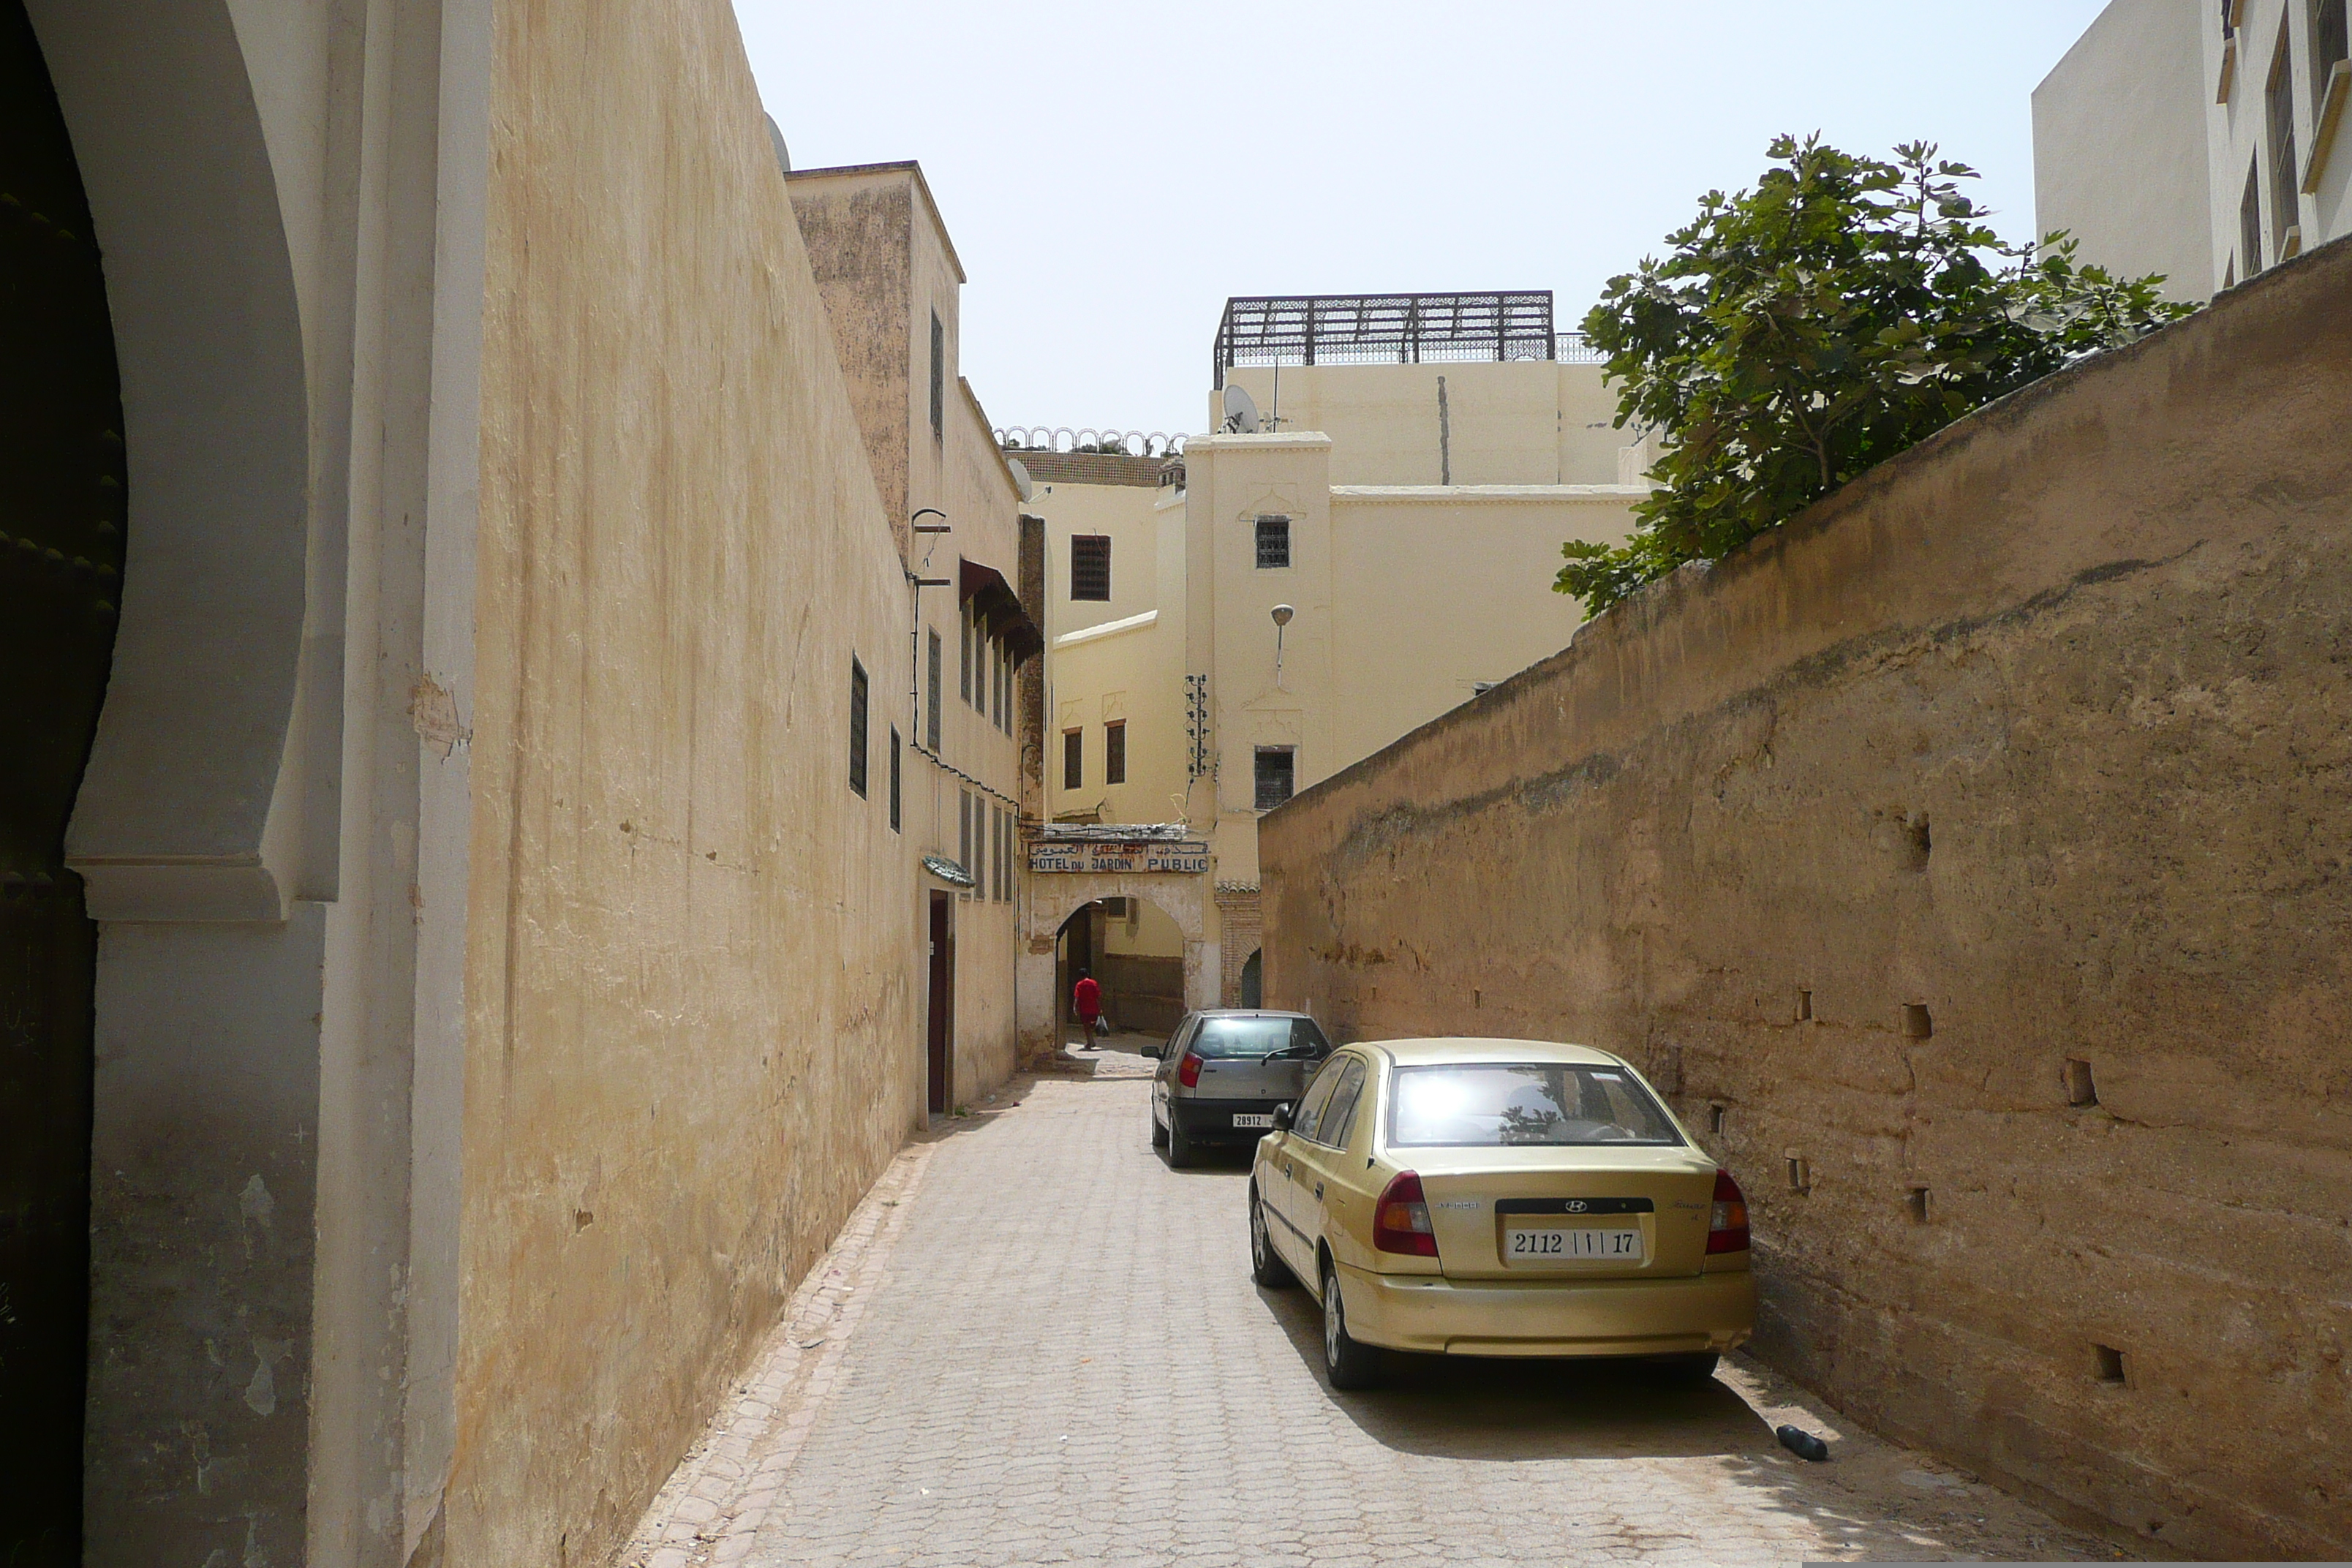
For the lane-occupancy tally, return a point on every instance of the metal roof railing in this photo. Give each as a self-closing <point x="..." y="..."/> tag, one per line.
<point x="1383" y="328"/>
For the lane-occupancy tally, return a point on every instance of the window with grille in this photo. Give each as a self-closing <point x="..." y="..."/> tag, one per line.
<point x="1273" y="543"/>
<point x="939" y="378"/>
<point x="894" y="778"/>
<point x="857" y="726"/>
<point x="2278" y="115"/>
<point x="931" y="697"/>
<point x="1074" y="752"/>
<point x="1277" y="773"/>
<point x="963" y="829"/>
<point x="1090" y="566"/>
<point x="2250" y="224"/>
<point x="1114" y="752"/>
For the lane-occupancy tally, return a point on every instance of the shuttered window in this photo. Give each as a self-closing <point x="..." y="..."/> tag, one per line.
<point x="857" y="726"/>
<point x="1090" y="566"/>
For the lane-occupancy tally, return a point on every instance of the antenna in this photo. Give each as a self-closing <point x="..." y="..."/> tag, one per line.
<point x="1020" y="479"/>
<point x="1240" y="411"/>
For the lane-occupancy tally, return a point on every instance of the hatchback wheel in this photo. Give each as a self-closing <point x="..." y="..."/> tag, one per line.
<point x="1348" y="1363"/>
<point x="1159" y="1133"/>
<point x="1267" y="1266"/>
<point x="1180" y="1148"/>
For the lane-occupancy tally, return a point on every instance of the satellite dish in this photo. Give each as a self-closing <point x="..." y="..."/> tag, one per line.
<point x="1240" y="411"/>
<point x="1021" y="480"/>
<point x="776" y="139"/>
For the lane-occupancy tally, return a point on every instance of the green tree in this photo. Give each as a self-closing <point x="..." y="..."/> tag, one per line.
<point x="1803" y="331"/>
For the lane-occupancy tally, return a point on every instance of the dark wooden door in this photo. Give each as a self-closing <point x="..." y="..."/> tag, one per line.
<point x="61" y="519"/>
<point x="943" y="997"/>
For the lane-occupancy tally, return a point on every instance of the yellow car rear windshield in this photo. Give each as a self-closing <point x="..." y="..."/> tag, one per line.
<point x="1492" y="1105"/>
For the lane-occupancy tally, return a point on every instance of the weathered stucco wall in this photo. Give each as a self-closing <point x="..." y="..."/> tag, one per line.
<point x="2030" y="747"/>
<point x="692" y="1031"/>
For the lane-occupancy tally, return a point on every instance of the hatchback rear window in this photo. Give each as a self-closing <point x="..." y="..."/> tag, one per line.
<point x="1538" y="1103"/>
<point x="1223" y="1037"/>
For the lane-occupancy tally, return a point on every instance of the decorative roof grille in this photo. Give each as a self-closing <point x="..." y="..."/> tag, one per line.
<point x="1384" y="329"/>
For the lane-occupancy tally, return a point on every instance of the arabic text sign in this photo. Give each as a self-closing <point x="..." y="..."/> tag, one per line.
<point x="1119" y="859"/>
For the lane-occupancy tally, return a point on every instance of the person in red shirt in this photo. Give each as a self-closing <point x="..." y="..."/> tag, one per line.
<point x="1085" y="998"/>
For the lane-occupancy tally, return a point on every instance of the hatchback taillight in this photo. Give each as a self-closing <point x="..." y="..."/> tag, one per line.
<point x="1401" y="1219"/>
<point x="1726" y="1229"/>
<point x="1188" y="1072"/>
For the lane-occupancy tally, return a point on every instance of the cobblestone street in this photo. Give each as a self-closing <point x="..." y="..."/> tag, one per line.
<point x="1037" y="1343"/>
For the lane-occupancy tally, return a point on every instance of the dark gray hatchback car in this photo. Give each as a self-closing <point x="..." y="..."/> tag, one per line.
<point x="1222" y="1073"/>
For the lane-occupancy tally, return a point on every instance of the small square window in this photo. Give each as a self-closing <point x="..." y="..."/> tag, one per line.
<point x="1073" y="751"/>
<point x="1273" y="543"/>
<point x="1277" y="775"/>
<point x="1090" y="566"/>
<point x="1114" y="752"/>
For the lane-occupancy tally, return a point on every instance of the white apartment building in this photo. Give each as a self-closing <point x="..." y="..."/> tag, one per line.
<point x="2198" y="138"/>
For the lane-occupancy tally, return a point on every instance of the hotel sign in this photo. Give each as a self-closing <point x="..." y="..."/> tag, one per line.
<point x="1133" y="858"/>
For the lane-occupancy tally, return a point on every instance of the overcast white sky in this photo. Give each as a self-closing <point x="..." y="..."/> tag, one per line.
<point x="1111" y="171"/>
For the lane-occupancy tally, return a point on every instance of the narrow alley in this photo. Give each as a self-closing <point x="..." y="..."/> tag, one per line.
<point x="1037" y="1343"/>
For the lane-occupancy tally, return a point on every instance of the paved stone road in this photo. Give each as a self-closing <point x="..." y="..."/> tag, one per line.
<point x="1037" y="1343"/>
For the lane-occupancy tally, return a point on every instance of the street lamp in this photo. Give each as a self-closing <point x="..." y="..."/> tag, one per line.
<point x="1282" y="614"/>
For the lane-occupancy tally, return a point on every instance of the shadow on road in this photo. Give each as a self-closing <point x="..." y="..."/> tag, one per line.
<point x="1480" y="1407"/>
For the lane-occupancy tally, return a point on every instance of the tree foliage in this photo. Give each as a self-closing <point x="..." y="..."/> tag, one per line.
<point x="1803" y="331"/>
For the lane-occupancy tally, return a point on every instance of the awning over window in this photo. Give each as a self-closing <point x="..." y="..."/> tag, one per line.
<point x="998" y="607"/>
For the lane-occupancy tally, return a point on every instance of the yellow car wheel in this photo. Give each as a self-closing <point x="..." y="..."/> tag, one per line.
<point x="1349" y="1365"/>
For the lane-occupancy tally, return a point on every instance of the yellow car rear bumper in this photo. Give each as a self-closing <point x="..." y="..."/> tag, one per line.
<point x="1553" y="1317"/>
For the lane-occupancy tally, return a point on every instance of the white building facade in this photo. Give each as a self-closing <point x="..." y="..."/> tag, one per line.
<point x="2198" y="138"/>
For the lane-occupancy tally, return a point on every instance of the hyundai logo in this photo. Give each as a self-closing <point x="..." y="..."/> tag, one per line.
<point x="1576" y="1205"/>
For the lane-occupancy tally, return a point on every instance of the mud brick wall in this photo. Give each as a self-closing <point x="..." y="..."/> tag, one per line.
<point x="1968" y="861"/>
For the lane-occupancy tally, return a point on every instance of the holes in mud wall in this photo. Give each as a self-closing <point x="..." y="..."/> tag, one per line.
<point x="1715" y="1119"/>
<point x="1916" y="1022"/>
<point x="1477" y="1000"/>
<point x="1917" y="845"/>
<point x="1804" y="1005"/>
<point x="2079" y="1087"/>
<point x="1801" y="1174"/>
<point x="2107" y="1363"/>
<point x="1917" y="1202"/>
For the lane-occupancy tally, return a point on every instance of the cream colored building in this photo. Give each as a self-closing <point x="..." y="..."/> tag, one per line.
<point x="950" y="760"/>
<point x="477" y="929"/>
<point x="2202" y="139"/>
<point x="1410" y="518"/>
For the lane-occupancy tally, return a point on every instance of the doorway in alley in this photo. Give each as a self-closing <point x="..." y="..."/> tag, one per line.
<point x="941" y="1009"/>
<point x="1135" y="951"/>
<point x="61" y="519"/>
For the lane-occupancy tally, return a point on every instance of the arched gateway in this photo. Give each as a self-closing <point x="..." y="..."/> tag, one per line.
<point x="1073" y="866"/>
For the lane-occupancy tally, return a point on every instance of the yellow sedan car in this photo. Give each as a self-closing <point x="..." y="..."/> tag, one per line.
<point x="1499" y="1197"/>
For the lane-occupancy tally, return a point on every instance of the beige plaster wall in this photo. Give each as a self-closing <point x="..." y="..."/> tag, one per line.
<point x="690" y="1014"/>
<point x="1434" y="591"/>
<point x="2030" y="746"/>
<point x="1522" y="422"/>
